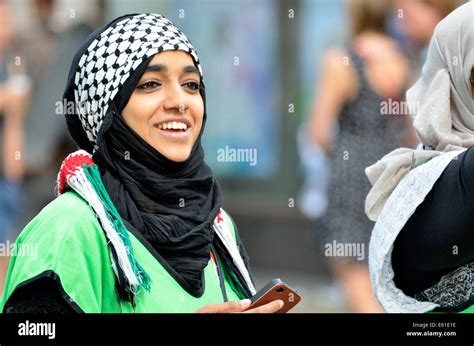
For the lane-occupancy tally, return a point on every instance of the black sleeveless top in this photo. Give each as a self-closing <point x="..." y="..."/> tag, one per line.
<point x="364" y="135"/>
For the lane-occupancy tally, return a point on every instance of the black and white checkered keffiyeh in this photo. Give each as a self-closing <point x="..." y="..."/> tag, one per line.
<point x="111" y="58"/>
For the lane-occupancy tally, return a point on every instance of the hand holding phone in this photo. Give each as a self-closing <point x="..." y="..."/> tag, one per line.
<point x="274" y="290"/>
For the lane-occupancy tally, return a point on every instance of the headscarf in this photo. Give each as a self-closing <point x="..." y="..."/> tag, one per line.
<point x="442" y="103"/>
<point x="145" y="187"/>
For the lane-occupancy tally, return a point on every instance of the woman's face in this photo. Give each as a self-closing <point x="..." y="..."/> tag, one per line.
<point x="166" y="108"/>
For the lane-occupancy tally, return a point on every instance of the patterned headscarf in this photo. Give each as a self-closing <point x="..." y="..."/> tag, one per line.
<point x="117" y="51"/>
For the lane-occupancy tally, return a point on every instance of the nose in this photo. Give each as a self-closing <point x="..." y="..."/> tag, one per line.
<point x="175" y="99"/>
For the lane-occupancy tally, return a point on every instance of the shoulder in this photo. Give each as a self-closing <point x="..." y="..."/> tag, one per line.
<point x="70" y="203"/>
<point x="64" y="239"/>
<point x="338" y="72"/>
<point x="68" y="209"/>
<point x="67" y="216"/>
<point x="336" y="60"/>
<point x="65" y="233"/>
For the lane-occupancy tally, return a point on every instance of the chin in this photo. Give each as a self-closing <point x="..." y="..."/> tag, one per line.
<point x="177" y="156"/>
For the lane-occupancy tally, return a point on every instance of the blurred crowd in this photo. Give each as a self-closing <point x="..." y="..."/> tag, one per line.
<point x="35" y="53"/>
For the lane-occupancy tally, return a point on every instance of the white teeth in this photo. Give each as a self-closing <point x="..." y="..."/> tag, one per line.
<point x="173" y="125"/>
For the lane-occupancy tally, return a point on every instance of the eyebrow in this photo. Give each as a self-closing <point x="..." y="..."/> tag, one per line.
<point x="163" y="68"/>
<point x="191" y="69"/>
<point x="156" y="68"/>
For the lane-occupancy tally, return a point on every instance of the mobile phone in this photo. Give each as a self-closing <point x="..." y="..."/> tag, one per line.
<point x="276" y="289"/>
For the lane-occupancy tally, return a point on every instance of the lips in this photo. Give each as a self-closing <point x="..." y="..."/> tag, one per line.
<point x="174" y="123"/>
<point x="177" y="128"/>
<point x="174" y="134"/>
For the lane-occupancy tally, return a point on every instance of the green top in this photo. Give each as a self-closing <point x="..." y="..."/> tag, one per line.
<point x="469" y="310"/>
<point x="69" y="245"/>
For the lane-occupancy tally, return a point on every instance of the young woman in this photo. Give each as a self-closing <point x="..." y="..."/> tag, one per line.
<point x="421" y="252"/>
<point x="137" y="225"/>
<point x="354" y="82"/>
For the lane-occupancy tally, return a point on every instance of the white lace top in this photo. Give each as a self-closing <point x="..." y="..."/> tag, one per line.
<point x="402" y="203"/>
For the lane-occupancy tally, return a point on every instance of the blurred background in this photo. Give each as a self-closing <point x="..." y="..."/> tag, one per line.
<point x="263" y="63"/>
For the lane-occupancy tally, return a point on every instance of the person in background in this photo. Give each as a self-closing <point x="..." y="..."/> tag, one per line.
<point x="353" y="84"/>
<point x="412" y="25"/>
<point x="14" y="95"/>
<point x="48" y="45"/>
<point x="416" y="20"/>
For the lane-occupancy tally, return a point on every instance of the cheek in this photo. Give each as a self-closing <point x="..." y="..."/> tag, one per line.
<point x="145" y="105"/>
<point x="138" y="111"/>
<point x="198" y="115"/>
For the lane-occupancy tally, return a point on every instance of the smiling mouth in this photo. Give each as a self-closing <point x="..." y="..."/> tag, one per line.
<point x="174" y="130"/>
<point x="174" y="126"/>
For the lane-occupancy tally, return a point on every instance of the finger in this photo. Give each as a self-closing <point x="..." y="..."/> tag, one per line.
<point x="233" y="306"/>
<point x="269" y="308"/>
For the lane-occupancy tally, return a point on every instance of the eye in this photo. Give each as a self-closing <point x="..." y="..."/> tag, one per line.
<point x="148" y="85"/>
<point x="194" y="86"/>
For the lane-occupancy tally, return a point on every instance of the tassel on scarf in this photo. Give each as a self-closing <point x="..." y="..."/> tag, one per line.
<point x="79" y="173"/>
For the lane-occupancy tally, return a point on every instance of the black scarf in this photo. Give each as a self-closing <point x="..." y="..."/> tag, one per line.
<point x="173" y="205"/>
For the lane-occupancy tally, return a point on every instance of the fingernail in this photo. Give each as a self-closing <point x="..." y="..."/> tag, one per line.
<point x="245" y="302"/>
<point x="280" y="303"/>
